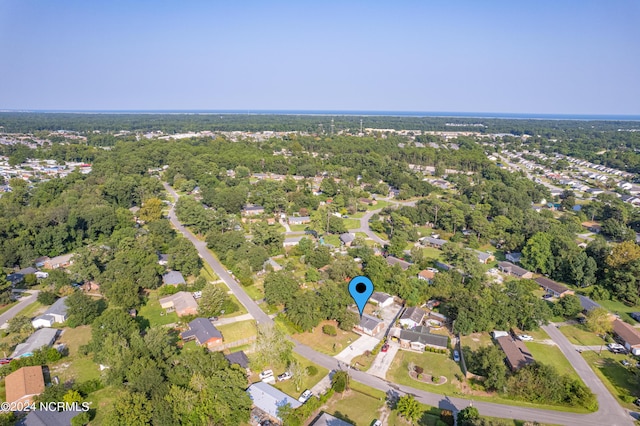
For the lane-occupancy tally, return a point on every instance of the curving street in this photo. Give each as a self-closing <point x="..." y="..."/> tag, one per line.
<point x="610" y="412"/>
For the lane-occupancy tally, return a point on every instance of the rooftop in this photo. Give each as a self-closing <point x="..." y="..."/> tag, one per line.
<point x="395" y="261"/>
<point x="202" y="330"/>
<point x="551" y="285"/>
<point x="414" y="313"/>
<point x="380" y="297"/>
<point x="47" y="418"/>
<point x="173" y="278"/>
<point x="239" y="358"/>
<point x="422" y="335"/>
<point x="23" y="382"/>
<point x="268" y="399"/>
<point x="59" y="307"/>
<point x="627" y="332"/>
<point x="516" y="352"/>
<point x="39" y="338"/>
<point x="326" y="419"/>
<point x="367" y="322"/>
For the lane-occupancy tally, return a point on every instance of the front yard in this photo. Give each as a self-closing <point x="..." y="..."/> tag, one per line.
<point x="621" y="382"/>
<point x="321" y="342"/>
<point x="238" y="330"/>
<point x="433" y="364"/>
<point x="579" y="335"/>
<point x="552" y="355"/>
<point x="289" y="386"/>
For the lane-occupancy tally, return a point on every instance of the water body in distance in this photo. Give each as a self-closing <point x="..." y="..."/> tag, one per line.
<point x="522" y="116"/>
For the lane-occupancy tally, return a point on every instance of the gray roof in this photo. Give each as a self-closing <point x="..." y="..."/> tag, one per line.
<point x="414" y="313"/>
<point x="587" y="304"/>
<point x="434" y="241"/>
<point x="59" y="307"/>
<point x="173" y="278"/>
<point x="202" y="330"/>
<point x="47" y="418"/>
<point x="254" y="207"/>
<point x="347" y="237"/>
<point x="239" y="358"/>
<point x="40" y="338"/>
<point x="367" y="322"/>
<point x="327" y="419"/>
<point x="422" y="335"/>
<point x="299" y="218"/>
<point x="163" y="257"/>
<point x="395" y="261"/>
<point x="482" y="255"/>
<point x="268" y="399"/>
<point x="293" y="239"/>
<point x="511" y="268"/>
<point x="27" y="271"/>
<point x="380" y="297"/>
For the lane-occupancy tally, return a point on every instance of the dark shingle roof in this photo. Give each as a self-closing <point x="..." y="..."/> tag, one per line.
<point x="47" y="418"/>
<point x="368" y="322"/>
<point x="414" y="313"/>
<point x="420" y="335"/>
<point x="551" y="285"/>
<point x="239" y="358"/>
<point x="202" y="330"/>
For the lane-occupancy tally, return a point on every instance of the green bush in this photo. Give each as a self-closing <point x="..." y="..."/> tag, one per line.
<point x="312" y="370"/>
<point x="329" y="330"/>
<point x="46" y="298"/>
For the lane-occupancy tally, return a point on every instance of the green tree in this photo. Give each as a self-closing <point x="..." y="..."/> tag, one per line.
<point x="82" y="309"/>
<point x="46" y="297"/>
<point x="340" y="381"/>
<point x="272" y="346"/>
<point x="212" y="300"/>
<point x="20" y="324"/>
<point x="599" y="322"/>
<point x="468" y="416"/>
<point x="151" y="210"/>
<point x="130" y="409"/>
<point x="280" y="287"/>
<point x="537" y="254"/>
<point x="409" y="408"/>
<point x="299" y="373"/>
<point x="183" y="257"/>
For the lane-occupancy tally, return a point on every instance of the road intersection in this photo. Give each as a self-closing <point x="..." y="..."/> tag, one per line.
<point x="610" y="412"/>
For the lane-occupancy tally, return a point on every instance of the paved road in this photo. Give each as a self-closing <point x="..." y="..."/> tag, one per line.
<point x="23" y="303"/>
<point x="610" y="413"/>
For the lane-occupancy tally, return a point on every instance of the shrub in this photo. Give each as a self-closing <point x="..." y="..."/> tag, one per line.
<point x="446" y="416"/>
<point x="329" y="330"/>
<point x="418" y="369"/>
<point x="46" y="298"/>
<point x="312" y="370"/>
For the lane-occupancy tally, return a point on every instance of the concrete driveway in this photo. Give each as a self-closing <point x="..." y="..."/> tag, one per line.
<point x="360" y="346"/>
<point x="383" y="361"/>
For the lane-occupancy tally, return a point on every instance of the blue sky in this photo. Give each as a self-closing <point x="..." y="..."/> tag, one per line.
<point x="569" y="57"/>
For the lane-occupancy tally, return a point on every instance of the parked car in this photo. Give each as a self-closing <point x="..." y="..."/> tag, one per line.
<point x="635" y="316"/>
<point x="625" y="362"/>
<point x="305" y="396"/>
<point x="385" y="347"/>
<point x="267" y="376"/>
<point x="456" y="356"/>
<point x="377" y="423"/>
<point x="616" y="348"/>
<point x="525" y="338"/>
<point x="5" y="361"/>
<point x="284" y="376"/>
<point x="637" y="402"/>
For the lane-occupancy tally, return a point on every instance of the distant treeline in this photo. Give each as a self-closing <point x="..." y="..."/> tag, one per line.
<point x="14" y="122"/>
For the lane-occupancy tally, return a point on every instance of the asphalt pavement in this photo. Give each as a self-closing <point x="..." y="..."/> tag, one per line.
<point x="15" y="310"/>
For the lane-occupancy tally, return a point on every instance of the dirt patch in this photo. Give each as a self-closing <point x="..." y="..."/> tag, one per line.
<point x="548" y="342"/>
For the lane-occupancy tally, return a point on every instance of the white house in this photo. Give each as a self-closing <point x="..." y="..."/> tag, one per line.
<point x="57" y="313"/>
<point x="381" y="299"/>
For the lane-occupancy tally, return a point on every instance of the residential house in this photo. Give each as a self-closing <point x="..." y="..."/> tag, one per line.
<point x="325" y="419"/>
<point x="443" y="266"/>
<point x="435" y="318"/>
<point x="587" y="304"/>
<point x="41" y="338"/>
<point x="628" y="335"/>
<point x="56" y="313"/>
<point x="59" y="262"/>
<point x="391" y="261"/>
<point x="368" y="201"/>
<point x="484" y="258"/>
<point x="516" y="271"/>
<point x="594" y="227"/>
<point x="419" y="337"/>
<point x="516" y="353"/>
<point x="554" y="288"/>
<point x="594" y="191"/>
<point x="347" y="238"/>
<point x="23" y="384"/>
<point x="433" y="242"/>
<point x="412" y="317"/>
<point x="163" y="259"/>
<point x="426" y="275"/>
<point x="381" y="299"/>
<point x="270" y="262"/>
<point x="369" y="325"/>
<point x="19" y="276"/>
<point x="298" y="220"/>
<point x="48" y="418"/>
<point x="252" y="210"/>
<point x="268" y="399"/>
<point x="182" y="302"/>
<point x="91" y="286"/>
<point x="292" y="241"/>
<point x="203" y="332"/>
<point x="239" y="358"/>
<point x="173" y="278"/>
<point x="514" y="257"/>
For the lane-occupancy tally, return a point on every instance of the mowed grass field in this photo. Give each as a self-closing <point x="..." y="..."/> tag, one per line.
<point x="331" y="345"/>
<point x="580" y="335"/>
<point x="616" y="377"/>
<point x="238" y="330"/>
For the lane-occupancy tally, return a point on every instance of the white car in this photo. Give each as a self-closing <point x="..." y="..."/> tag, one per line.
<point x="525" y="338"/>
<point x="285" y="376"/>
<point x="267" y="376"/>
<point x="305" y="396"/>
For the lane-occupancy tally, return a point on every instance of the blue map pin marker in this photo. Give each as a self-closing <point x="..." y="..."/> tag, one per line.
<point x="361" y="289"/>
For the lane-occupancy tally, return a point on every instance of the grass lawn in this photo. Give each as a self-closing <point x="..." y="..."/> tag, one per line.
<point x="432" y="252"/>
<point x="208" y="272"/>
<point x="33" y="309"/>
<point x="475" y="341"/>
<point x="102" y="401"/>
<point x="255" y="291"/>
<point x="334" y="240"/>
<point x="153" y="312"/>
<point x="289" y="386"/>
<point x="363" y="362"/>
<point x="435" y="364"/>
<point x="551" y="355"/>
<point x="351" y="223"/>
<point x="321" y="342"/>
<point x="614" y="375"/>
<point x="620" y="308"/>
<point x="580" y="335"/>
<point x="238" y="330"/>
<point x="381" y="204"/>
<point x="8" y="306"/>
<point x="360" y="405"/>
<point x="241" y="309"/>
<point x="75" y="337"/>
<point x="298" y="228"/>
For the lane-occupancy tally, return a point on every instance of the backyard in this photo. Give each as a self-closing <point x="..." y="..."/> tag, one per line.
<point x="153" y="312"/>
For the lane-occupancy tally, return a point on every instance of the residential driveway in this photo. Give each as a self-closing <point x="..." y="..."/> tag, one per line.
<point x="24" y="302"/>
<point x="223" y="321"/>
<point x="383" y="361"/>
<point x="360" y="346"/>
<point x="323" y="385"/>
